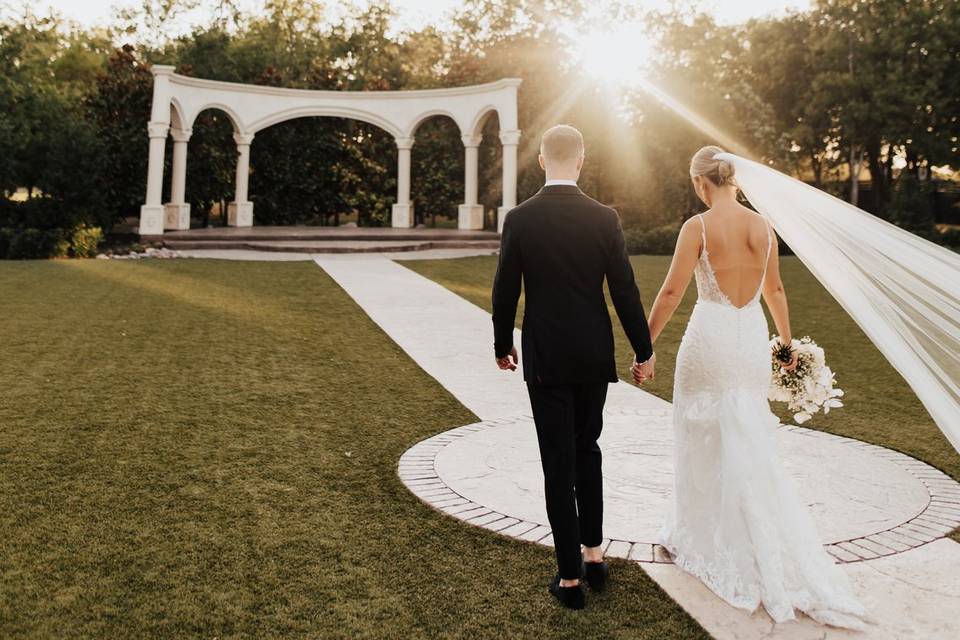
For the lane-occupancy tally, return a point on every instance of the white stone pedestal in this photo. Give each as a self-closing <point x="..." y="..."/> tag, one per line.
<point x="151" y="220"/>
<point x="501" y="214"/>
<point x="402" y="216"/>
<point x="240" y="214"/>
<point x="176" y="217"/>
<point x="470" y="216"/>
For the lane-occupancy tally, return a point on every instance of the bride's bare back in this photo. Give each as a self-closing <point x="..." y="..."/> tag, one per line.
<point x="735" y="241"/>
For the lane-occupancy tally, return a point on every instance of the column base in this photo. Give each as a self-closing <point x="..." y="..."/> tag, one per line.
<point x="151" y="220"/>
<point x="470" y="216"/>
<point x="176" y="217"/>
<point x="240" y="214"/>
<point x="501" y="215"/>
<point x="402" y="216"/>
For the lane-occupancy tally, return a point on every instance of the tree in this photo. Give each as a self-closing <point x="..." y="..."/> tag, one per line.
<point x="118" y="110"/>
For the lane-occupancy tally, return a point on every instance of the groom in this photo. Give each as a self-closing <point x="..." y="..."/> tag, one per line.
<point x="562" y="244"/>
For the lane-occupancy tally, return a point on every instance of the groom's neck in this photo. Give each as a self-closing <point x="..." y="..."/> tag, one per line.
<point x="560" y="174"/>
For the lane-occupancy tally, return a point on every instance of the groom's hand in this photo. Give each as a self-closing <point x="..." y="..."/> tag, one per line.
<point x="643" y="371"/>
<point x="509" y="361"/>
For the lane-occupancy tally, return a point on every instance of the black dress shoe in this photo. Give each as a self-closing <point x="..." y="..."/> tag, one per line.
<point x="569" y="597"/>
<point x="596" y="573"/>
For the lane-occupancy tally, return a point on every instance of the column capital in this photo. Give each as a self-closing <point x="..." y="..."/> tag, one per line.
<point x="510" y="136"/>
<point x="471" y="141"/>
<point x="404" y="143"/>
<point x="181" y="135"/>
<point x="157" y="129"/>
<point x="243" y="139"/>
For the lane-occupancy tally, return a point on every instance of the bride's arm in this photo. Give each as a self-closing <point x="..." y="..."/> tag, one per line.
<point x="678" y="278"/>
<point x="775" y="295"/>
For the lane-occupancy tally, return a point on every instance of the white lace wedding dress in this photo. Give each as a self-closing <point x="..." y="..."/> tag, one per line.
<point x="738" y="523"/>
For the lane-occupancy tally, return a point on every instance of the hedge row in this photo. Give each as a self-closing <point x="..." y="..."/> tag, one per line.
<point x="29" y="243"/>
<point x="658" y="241"/>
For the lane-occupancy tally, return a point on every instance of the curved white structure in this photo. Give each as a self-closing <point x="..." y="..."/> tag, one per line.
<point x="178" y="100"/>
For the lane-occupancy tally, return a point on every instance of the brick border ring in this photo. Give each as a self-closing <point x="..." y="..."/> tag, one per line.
<point x="940" y="516"/>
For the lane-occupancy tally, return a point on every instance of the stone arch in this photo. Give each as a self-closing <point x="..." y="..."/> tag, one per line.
<point x="232" y="115"/>
<point x="254" y="107"/>
<point x="428" y="115"/>
<point x="445" y="159"/>
<point x="178" y="119"/>
<point x="321" y="112"/>
<point x="270" y="166"/>
<point x="476" y="127"/>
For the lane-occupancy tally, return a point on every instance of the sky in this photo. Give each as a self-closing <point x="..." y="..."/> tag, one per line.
<point x="416" y="13"/>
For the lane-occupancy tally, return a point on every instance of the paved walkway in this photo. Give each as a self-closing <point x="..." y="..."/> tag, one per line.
<point x="882" y="513"/>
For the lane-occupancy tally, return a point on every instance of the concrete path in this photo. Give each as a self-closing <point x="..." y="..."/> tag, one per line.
<point x="883" y="514"/>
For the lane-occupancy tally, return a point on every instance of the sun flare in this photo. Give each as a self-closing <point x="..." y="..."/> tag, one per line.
<point x="616" y="56"/>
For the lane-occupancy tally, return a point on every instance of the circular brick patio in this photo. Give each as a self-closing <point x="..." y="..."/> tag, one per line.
<point x="868" y="501"/>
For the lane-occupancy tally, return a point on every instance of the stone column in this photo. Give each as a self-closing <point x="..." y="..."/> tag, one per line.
<point x="509" y="139"/>
<point x="402" y="212"/>
<point x="177" y="210"/>
<point x="240" y="211"/>
<point x="151" y="213"/>
<point x="470" y="213"/>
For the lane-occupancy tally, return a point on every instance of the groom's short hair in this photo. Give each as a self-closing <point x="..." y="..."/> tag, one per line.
<point x="561" y="143"/>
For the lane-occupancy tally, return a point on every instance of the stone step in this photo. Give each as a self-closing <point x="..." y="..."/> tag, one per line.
<point x="330" y="246"/>
<point x="349" y="234"/>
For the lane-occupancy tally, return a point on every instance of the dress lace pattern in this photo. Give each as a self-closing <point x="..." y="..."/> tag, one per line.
<point x="738" y="523"/>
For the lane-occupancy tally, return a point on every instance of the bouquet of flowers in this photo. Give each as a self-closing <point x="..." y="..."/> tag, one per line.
<point x="808" y="388"/>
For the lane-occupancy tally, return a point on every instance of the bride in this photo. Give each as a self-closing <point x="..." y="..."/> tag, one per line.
<point x="738" y="523"/>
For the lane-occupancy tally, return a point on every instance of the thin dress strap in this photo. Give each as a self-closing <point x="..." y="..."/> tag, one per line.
<point x="769" y="245"/>
<point x="766" y="261"/>
<point x="703" y="232"/>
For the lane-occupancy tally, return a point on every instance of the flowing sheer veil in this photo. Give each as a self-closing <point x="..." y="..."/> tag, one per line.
<point x="902" y="290"/>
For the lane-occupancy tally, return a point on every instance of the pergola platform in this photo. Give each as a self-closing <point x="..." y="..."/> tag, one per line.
<point x="303" y="239"/>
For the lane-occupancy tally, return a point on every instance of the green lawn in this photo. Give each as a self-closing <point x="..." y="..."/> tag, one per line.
<point x="208" y="449"/>
<point x="880" y="407"/>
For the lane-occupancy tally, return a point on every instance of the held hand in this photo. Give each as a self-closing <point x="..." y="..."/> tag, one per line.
<point x="509" y="362"/>
<point x="790" y="366"/>
<point x="645" y="371"/>
<point x="780" y="352"/>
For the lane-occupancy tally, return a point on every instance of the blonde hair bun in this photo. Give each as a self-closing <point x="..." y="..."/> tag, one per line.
<point x="725" y="170"/>
<point x="706" y="165"/>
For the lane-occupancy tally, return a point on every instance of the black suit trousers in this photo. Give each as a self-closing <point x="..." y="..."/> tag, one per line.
<point x="569" y="419"/>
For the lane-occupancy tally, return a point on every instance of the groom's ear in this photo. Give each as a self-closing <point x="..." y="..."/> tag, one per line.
<point x="540" y="160"/>
<point x="580" y="163"/>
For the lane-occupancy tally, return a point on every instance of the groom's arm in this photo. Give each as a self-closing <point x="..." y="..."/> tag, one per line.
<point x="626" y="296"/>
<point x="506" y="290"/>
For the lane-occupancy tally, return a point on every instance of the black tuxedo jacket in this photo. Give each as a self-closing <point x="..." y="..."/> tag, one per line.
<point x="562" y="244"/>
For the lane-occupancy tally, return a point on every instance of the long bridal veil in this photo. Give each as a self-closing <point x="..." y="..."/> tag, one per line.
<point x="902" y="290"/>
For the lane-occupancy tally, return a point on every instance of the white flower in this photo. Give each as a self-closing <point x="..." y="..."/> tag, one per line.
<point x="800" y="418"/>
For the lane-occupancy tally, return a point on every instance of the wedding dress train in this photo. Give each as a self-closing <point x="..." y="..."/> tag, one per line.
<point x="738" y="523"/>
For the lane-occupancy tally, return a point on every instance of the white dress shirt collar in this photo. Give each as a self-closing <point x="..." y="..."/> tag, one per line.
<point x="551" y="183"/>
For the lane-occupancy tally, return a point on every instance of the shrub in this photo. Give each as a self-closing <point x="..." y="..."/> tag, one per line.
<point x="947" y="235"/>
<point x="32" y="243"/>
<point x="25" y="244"/>
<point x="84" y="241"/>
<point x="659" y="241"/>
<point x="36" y="213"/>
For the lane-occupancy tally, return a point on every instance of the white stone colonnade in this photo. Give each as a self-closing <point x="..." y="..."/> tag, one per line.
<point x="178" y="100"/>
